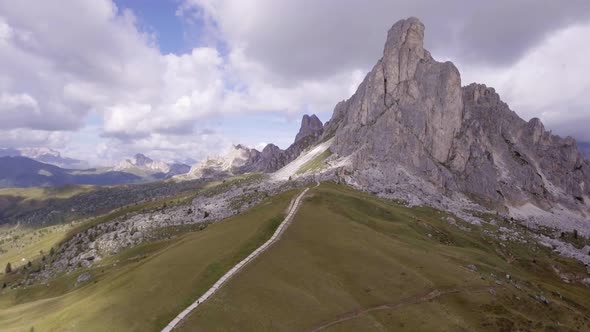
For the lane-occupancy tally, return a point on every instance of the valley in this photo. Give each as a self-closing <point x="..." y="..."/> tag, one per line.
<point x="416" y="262"/>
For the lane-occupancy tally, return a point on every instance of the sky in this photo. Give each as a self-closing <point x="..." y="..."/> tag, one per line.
<point x="178" y="80"/>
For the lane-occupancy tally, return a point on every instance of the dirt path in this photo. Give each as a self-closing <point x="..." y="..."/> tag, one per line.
<point x="275" y="237"/>
<point x="419" y="298"/>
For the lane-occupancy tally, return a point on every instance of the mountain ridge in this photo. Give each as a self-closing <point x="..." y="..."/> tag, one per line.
<point x="143" y="165"/>
<point x="410" y="115"/>
<point x="45" y="155"/>
<point x="22" y="172"/>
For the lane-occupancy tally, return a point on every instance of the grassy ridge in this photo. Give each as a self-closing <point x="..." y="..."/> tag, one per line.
<point x="352" y="262"/>
<point x="18" y="243"/>
<point x="144" y="287"/>
<point x="43" y="193"/>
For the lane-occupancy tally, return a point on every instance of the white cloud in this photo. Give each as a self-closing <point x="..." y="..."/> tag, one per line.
<point x="62" y="66"/>
<point x="191" y="86"/>
<point x="259" y="89"/>
<point x="311" y="39"/>
<point x="17" y="109"/>
<point x="170" y="148"/>
<point x="23" y="138"/>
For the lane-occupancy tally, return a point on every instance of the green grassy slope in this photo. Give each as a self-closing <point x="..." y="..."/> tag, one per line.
<point x="143" y="288"/>
<point x="18" y="243"/>
<point x="43" y="193"/>
<point x="316" y="163"/>
<point x="352" y="262"/>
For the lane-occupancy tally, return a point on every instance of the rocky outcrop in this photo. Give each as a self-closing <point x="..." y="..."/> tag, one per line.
<point x="233" y="162"/>
<point x="406" y="112"/>
<point x="142" y="161"/>
<point x="584" y="149"/>
<point x="268" y="160"/>
<point x="505" y="161"/>
<point x="242" y="159"/>
<point x="176" y="169"/>
<point x="128" y="230"/>
<point x="411" y="118"/>
<point x="142" y="165"/>
<point x="310" y="126"/>
<point x="272" y="158"/>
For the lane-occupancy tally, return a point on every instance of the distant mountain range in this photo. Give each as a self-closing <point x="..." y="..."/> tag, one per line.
<point x="26" y="172"/>
<point x="45" y="155"/>
<point x="41" y="167"/>
<point x="143" y="166"/>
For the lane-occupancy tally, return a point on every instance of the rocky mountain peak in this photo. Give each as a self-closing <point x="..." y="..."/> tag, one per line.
<point x="310" y="125"/>
<point x="410" y="121"/>
<point x="141" y="160"/>
<point x="142" y="164"/>
<point x="406" y="95"/>
<point x="271" y="149"/>
<point x="272" y="158"/>
<point x="403" y="50"/>
<point x="481" y="94"/>
<point x="536" y="129"/>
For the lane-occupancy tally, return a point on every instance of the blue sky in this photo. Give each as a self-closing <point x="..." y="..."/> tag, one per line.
<point x="159" y="17"/>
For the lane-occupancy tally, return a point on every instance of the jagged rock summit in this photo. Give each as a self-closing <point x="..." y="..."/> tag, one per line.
<point x="310" y="126"/>
<point x="412" y="123"/>
<point x="229" y="163"/>
<point x="272" y="158"/>
<point x="241" y="159"/>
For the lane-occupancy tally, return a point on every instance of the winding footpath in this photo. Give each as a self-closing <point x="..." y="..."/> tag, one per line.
<point x="275" y="237"/>
<point x="416" y="299"/>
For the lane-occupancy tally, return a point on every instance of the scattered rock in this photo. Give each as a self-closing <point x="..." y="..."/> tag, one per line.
<point x="541" y="298"/>
<point x="83" y="278"/>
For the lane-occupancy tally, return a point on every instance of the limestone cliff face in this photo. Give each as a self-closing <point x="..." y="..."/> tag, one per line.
<point x="407" y="110"/>
<point x="410" y="115"/>
<point x="268" y="160"/>
<point x="499" y="157"/>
